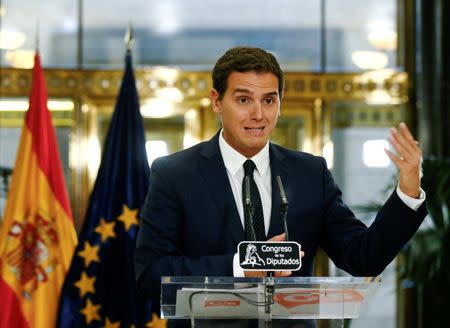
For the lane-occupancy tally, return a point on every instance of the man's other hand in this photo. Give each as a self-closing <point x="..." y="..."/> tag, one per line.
<point x="407" y="159"/>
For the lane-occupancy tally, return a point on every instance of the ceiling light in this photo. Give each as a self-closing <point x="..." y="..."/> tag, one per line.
<point x="20" y="58"/>
<point x="383" y="40"/>
<point x="369" y="59"/>
<point x="11" y="39"/>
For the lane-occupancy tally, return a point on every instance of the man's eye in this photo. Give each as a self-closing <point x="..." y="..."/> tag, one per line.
<point x="242" y="100"/>
<point x="268" y="101"/>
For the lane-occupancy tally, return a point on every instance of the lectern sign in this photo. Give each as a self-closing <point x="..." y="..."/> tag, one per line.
<point x="269" y="256"/>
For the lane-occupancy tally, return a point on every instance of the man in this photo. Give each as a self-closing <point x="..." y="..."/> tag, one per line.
<point x="193" y="217"/>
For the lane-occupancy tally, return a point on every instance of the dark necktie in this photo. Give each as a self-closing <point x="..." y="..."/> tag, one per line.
<point x="255" y="199"/>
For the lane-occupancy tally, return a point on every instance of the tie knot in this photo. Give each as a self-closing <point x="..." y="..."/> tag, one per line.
<point x="249" y="167"/>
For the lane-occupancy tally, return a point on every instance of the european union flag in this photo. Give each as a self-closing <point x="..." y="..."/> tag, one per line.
<point x="99" y="290"/>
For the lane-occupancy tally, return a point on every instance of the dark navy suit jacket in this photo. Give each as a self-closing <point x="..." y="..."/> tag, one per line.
<point x="191" y="227"/>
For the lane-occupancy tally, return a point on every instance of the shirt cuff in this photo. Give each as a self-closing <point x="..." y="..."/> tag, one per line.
<point x="413" y="203"/>
<point x="238" y="272"/>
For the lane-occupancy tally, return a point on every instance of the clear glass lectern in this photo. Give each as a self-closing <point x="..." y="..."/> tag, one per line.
<point x="265" y="299"/>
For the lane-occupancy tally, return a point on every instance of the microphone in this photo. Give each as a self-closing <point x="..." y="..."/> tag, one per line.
<point x="263" y="255"/>
<point x="247" y="201"/>
<point x="248" y="205"/>
<point x="284" y="206"/>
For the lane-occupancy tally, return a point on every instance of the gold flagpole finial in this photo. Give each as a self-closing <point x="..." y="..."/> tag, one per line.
<point x="129" y="37"/>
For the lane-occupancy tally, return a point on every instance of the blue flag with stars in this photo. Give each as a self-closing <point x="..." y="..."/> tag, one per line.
<point x="99" y="289"/>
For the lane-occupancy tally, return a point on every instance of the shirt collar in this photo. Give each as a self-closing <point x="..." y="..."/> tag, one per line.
<point x="234" y="160"/>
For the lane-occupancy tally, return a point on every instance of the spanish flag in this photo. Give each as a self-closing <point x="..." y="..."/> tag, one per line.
<point x="38" y="238"/>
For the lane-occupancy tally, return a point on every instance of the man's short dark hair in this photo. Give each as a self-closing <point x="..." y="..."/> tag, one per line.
<point x="245" y="59"/>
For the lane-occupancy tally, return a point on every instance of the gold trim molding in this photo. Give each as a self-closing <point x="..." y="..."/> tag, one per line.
<point x="196" y="85"/>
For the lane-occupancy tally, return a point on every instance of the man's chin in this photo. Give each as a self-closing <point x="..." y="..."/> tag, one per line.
<point x="255" y="148"/>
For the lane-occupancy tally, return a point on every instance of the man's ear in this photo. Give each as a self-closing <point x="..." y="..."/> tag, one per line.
<point x="215" y="101"/>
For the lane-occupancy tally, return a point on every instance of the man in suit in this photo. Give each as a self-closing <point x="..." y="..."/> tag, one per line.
<point x="193" y="216"/>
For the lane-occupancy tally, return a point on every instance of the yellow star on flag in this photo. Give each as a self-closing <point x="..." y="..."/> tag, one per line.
<point x="90" y="311"/>
<point x="85" y="284"/>
<point x="128" y="217"/>
<point x="105" y="229"/>
<point x="89" y="254"/>
<point x="156" y="322"/>
<point x="109" y="324"/>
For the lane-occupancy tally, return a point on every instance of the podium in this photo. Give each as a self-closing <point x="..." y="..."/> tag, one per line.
<point x="265" y="299"/>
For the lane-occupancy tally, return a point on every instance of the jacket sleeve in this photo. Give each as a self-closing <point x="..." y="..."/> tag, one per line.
<point x="159" y="246"/>
<point x="359" y="250"/>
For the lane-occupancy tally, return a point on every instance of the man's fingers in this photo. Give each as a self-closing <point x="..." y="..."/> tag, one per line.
<point x="258" y="274"/>
<point x="409" y="141"/>
<point x="281" y="237"/>
<point x="401" y="145"/>
<point x="407" y="149"/>
<point x="302" y="253"/>
<point x="283" y="273"/>
<point x="254" y="274"/>
<point x="405" y="132"/>
<point x="396" y="159"/>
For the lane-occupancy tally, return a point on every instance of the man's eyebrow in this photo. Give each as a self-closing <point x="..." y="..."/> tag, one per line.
<point x="237" y="90"/>
<point x="268" y="94"/>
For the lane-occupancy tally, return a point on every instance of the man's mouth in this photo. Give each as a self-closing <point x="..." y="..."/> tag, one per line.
<point x="259" y="129"/>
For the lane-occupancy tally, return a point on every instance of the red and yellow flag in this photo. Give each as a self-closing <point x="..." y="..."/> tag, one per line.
<point x="38" y="238"/>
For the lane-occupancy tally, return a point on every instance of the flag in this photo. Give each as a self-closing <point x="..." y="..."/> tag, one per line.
<point x="38" y="237"/>
<point x="99" y="290"/>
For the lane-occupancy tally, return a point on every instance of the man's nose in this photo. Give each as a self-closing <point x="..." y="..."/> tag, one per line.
<point x="257" y="111"/>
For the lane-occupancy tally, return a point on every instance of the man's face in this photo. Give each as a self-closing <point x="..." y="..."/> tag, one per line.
<point x="249" y="110"/>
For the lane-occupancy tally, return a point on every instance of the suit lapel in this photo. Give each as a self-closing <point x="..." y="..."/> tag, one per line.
<point x="277" y="169"/>
<point x="216" y="178"/>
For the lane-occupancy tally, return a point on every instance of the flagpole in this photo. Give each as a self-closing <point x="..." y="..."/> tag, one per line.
<point x="37" y="36"/>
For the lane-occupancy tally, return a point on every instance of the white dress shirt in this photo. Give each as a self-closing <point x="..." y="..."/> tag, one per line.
<point x="234" y="162"/>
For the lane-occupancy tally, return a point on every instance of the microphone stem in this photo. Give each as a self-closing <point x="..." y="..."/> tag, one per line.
<point x="248" y="206"/>
<point x="284" y="214"/>
<point x="284" y="206"/>
<point x="249" y="209"/>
